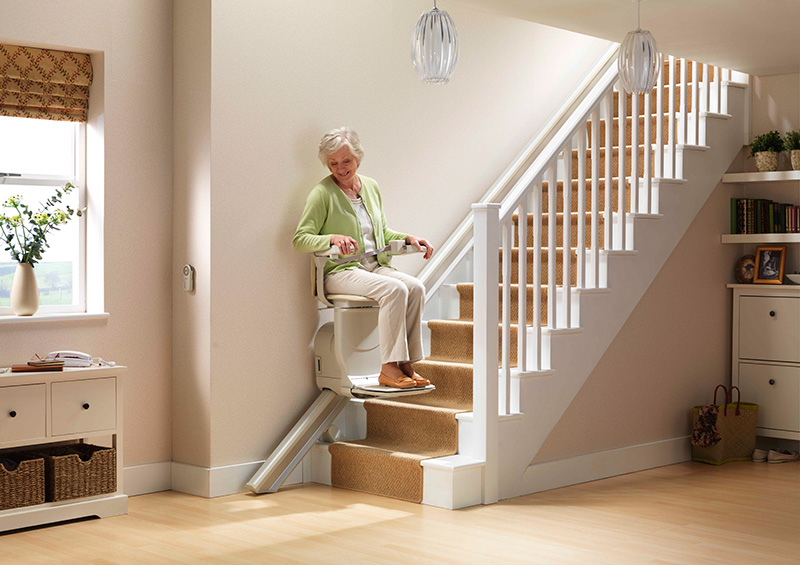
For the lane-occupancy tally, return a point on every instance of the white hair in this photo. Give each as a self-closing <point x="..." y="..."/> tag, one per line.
<point x="336" y="139"/>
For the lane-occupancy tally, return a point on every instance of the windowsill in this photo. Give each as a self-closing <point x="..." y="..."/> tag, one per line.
<point x="11" y="319"/>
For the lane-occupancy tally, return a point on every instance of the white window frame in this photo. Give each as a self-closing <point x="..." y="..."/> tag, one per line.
<point x="79" y="180"/>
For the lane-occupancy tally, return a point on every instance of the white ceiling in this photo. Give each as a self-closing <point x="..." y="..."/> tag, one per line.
<point x="759" y="37"/>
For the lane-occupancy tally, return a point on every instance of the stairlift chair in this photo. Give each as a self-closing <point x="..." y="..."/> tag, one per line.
<point x="347" y="365"/>
<point x="347" y="350"/>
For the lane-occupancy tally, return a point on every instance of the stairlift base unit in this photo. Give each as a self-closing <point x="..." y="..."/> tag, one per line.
<point x="347" y="358"/>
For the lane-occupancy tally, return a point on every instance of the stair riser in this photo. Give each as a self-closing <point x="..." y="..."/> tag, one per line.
<point x="466" y="305"/>
<point x="654" y="102"/>
<point x="588" y="196"/>
<point x="560" y="231"/>
<point x="629" y="132"/>
<point x="454" y="343"/>
<point x="544" y="270"/>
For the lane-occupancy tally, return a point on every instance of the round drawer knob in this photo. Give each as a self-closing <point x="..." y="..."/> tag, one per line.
<point x="85" y="405"/>
<point x="13" y="413"/>
<point x="772" y="313"/>
<point x="772" y="381"/>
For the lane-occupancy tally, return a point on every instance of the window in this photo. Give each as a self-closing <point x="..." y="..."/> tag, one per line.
<point x="36" y="156"/>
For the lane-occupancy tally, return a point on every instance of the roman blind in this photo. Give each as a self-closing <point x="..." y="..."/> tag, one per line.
<point x="44" y="84"/>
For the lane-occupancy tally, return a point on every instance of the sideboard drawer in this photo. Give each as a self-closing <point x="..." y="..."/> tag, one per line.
<point x="769" y="329"/>
<point x="22" y="412"/>
<point x="775" y="389"/>
<point x="84" y="406"/>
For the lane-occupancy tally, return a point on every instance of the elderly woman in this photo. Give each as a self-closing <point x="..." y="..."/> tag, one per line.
<point x="345" y="209"/>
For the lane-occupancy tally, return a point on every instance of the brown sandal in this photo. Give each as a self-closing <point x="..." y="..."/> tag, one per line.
<point x="400" y="382"/>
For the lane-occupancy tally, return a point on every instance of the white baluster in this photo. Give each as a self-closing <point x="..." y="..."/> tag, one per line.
<point x="522" y="283"/>
<point x="623" y="182"/>
<point x="595" y="227"/>
<point x="648" y="154"/>
<point x="684" y="139"/>
<point x="706" y="98"/>
<point x="724" y="99"/>
<point x="486" y="217"/>
<point x="608" y="178"/>
<point x="634" y="158"/>
<point x="536" y="279"/>
<point x="673" y="169"/>
<point x="660" y="125"/>
<point x="718" y="88"/>
<point x="695" y="104"/>
<point x="505" y="381"/>
<point x="566" y="274"/>
<point x="552" y="179"/>
<point x="581" y="273"/>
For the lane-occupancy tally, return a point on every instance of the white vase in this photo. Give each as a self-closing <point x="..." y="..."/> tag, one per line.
<point x="795" y="159"/>
<point x="766" y="161"/>
<point x="24" y="291"/>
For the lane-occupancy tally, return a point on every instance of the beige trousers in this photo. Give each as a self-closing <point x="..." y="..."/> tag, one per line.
<point x="401" y="298"/>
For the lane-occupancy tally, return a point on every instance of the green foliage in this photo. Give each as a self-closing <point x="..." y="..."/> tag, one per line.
<point x="771" y="141"/>
<point x="792" y="141"/>
<point x="25" y="232"/>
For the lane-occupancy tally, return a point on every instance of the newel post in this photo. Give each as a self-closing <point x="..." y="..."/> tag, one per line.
<point x="485" y="315"/>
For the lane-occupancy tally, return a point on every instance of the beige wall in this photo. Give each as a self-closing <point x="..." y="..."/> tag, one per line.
<point x="191" y="327"/>
<point x="775" y="102"/>
<point x="132" y="183"/>
<point x="670" y="354"/>
<point x="299" y="69"/>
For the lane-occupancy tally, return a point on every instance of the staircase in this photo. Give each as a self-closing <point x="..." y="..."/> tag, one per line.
<point x="539" y="323"/>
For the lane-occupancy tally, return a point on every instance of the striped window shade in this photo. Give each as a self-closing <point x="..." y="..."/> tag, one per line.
<point x="44" y="84"/>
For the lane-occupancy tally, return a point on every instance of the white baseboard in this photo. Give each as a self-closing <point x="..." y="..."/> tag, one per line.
<point x="220" y="481"/>
<point x="594" y="466"/>
<point x="144" y="479"/>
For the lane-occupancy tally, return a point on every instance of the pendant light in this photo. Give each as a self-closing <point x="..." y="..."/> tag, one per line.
<point x="434" y="46"/>
<point x="640" y="61"/>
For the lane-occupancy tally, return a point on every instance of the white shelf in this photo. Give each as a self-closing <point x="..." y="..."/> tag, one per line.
<point x="773" y="176"/>
<point x="761" y="238"/>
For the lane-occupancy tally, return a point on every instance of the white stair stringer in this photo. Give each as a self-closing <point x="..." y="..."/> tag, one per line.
<point x="545" y="396"/>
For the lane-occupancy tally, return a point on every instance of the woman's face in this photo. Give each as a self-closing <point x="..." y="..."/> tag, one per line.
<point x="343" y="165"/>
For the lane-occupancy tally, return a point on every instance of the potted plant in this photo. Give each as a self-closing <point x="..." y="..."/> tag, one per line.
<point x="24" y="233"/>
<point x="765" y="149"/>
<point x="792" y="145"/>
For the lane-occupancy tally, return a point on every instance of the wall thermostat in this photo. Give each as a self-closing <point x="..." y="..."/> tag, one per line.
<point x="188" y="278"/>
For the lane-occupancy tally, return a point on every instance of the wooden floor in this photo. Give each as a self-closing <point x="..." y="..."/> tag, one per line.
<point x="686" y="513"/>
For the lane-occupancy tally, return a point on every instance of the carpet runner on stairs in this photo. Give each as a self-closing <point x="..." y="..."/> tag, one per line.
<point x="402" y="433"/>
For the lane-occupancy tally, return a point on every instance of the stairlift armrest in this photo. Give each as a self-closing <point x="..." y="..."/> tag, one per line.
<point x="400" y="247"/>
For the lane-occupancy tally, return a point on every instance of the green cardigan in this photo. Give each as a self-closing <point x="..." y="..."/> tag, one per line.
<point x="328" y="211"/>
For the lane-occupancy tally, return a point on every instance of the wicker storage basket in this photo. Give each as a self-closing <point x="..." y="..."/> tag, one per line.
<point x="24" y="485"/>
<point x="75" y="471"/>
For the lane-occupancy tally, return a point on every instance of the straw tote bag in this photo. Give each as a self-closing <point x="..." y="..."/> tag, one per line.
<point x="735" y="426"/>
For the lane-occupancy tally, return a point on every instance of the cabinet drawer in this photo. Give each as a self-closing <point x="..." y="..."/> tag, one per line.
<point x="22" y="412"/>
<point x="776" y="390"/>
<point x="769" y="328"/>
<point x="84" y="406"/>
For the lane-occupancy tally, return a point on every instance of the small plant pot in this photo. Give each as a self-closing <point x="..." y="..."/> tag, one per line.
<point x="795" y="159"/>
<point x="766" y="161"/>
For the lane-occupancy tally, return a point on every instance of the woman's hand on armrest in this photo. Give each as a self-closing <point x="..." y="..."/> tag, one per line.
<point x="419" y="243"/>
<point x="346" y="244"/>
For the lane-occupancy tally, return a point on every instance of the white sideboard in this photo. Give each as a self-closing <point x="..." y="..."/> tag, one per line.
<point x="766" y="354"/>
<point x="44" y="408"/>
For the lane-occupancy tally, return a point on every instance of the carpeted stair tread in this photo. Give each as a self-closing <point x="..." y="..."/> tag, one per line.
<point x="629" y="130"/>
<point x="451" y="340"/>
<point x="560" y="229"/>
<point x="453" y="383"/>
<point x="614" y="161"/>
<point x="399" y="437"/>
<point x="601" y="195"/>
<point x="467" y="297"/>
<point x="544" y="262"/>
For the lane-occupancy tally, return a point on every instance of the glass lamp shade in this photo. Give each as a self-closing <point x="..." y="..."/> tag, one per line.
<point x="434" y="46"/>
<point x="639" y="62"/>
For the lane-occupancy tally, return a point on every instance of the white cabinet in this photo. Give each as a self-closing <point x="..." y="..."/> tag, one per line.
<point x="766" y="354"/>
<point x="41" y="408"/>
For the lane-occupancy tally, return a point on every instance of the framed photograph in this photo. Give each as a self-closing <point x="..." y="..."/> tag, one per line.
<point x="769" y="264"/>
